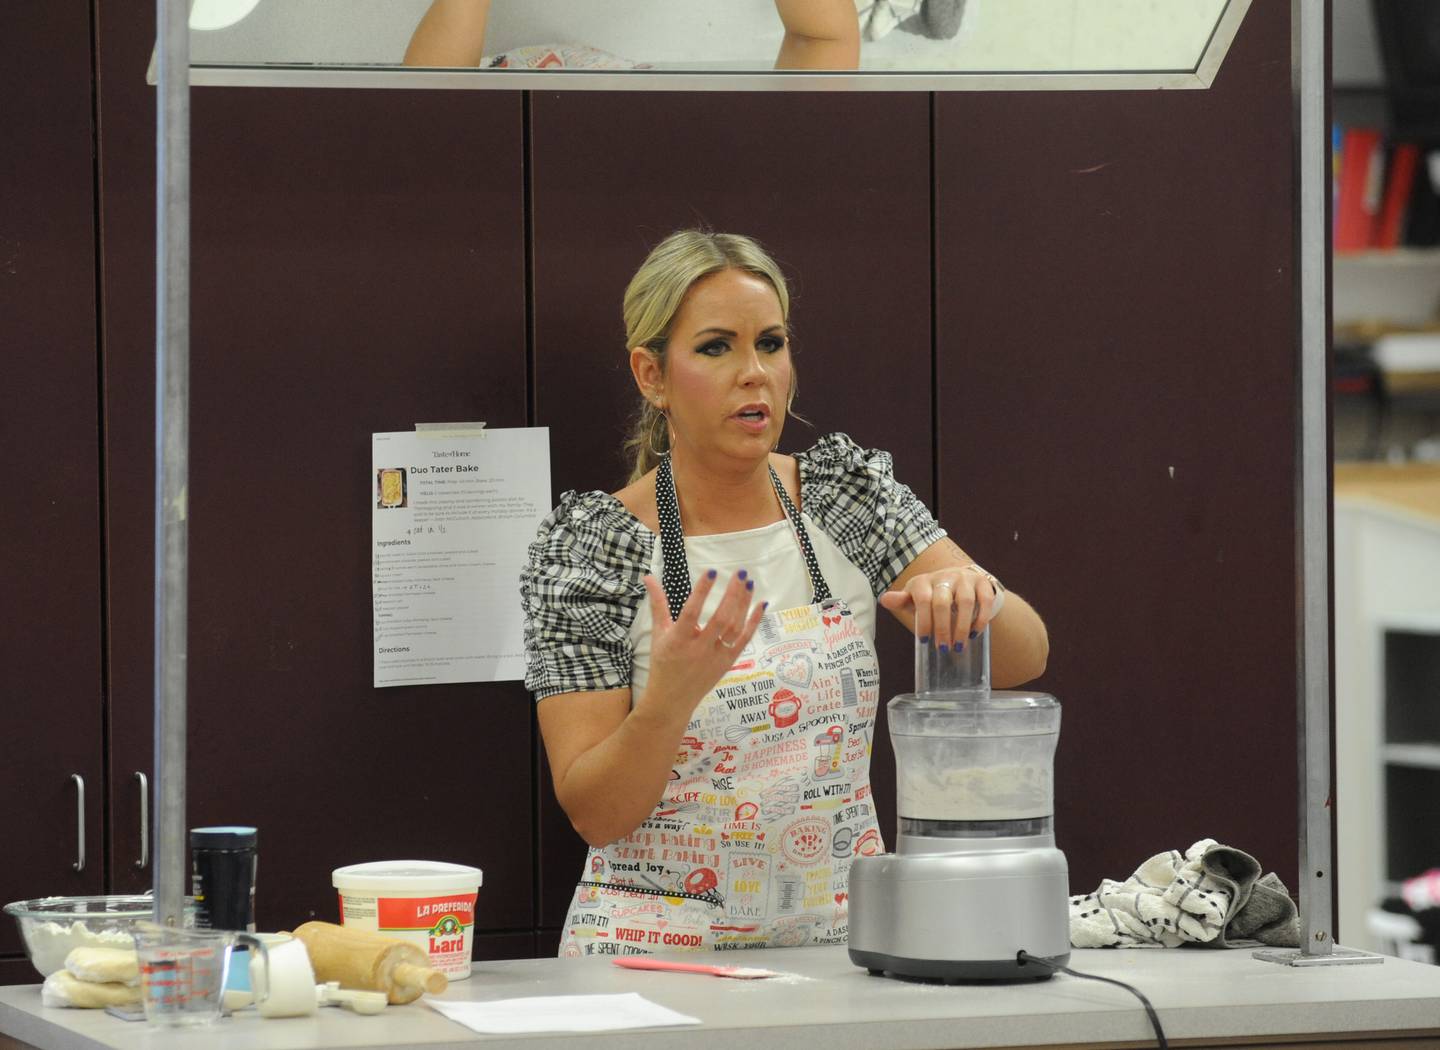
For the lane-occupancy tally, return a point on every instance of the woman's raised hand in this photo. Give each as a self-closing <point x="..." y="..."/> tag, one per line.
<point x="950" y="605"/>
<point x="686" y="660"/>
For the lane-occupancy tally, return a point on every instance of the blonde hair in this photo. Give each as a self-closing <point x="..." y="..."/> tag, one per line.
<point x="653" y="298"/>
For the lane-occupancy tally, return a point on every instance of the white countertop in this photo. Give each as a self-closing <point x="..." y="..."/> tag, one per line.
<point x="827" y="1002"/>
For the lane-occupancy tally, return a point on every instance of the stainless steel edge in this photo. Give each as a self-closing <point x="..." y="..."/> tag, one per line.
<point x="399" y="77"/>
<point x="172" y="440"/>
<point x="1219" y="43"/>
<point x="1312" y="163"/>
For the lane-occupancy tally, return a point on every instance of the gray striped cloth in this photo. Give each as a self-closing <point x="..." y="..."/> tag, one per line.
<point x="1210" y="895"/>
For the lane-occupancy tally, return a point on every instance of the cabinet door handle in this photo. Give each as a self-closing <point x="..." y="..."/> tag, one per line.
<point x="144" y="820"/>
<point x="79" y="781"/>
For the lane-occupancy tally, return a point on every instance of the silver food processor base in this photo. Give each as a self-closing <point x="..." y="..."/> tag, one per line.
<point x="961" y="910"/>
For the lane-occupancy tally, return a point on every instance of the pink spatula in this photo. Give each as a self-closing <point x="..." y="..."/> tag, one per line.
<point x="646" y="962"/>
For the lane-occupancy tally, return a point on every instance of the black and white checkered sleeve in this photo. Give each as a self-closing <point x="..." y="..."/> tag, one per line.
<point x="580" y="589"/>
<point x="875" y="520"/>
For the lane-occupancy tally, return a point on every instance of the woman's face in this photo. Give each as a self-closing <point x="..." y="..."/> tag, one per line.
<point x="727" y="377"/>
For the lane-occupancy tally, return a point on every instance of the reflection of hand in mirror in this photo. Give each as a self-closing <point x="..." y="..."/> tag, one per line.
<point x="819" y="34"/>
<point x="452" y="33"/>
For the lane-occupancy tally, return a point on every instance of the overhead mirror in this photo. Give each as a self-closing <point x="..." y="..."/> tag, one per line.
<point x="726" y="44"/>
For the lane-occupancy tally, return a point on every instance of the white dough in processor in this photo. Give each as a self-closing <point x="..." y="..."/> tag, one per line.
<point x="1016" y="791"/>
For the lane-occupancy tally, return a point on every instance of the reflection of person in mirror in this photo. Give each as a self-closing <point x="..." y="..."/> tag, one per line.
<point x="690" y="638"/>
<point x="819" y="34"/>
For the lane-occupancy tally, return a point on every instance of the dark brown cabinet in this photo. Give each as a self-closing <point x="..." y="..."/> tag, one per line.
<point x="1134" y="451"/>
<point x="357" y="265"/>
<point x="50" y="596"/>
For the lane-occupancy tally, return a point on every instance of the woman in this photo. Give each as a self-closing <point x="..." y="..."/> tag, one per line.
<point x="819" y="34"/>
<point x="701" y="642"/>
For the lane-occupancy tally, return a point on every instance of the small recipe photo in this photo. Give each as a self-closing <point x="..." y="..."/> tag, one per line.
<point x="390" y="488"/>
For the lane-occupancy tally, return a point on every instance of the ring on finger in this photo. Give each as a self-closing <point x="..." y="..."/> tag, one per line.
<point x="728" y="645"/>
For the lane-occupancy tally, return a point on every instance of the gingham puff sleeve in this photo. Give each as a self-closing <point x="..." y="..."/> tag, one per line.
<point x="876" y="521"/>
<point x="580" y="590"/>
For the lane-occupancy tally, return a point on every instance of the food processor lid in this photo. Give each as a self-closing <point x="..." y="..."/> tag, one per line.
<point x="959" y="678"/>
<point x="1003" y="700"/>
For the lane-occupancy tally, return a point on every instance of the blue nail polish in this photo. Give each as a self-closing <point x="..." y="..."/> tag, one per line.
<point x="750" y="586"/>
<point x="711" y="574"/>
<point x="764" y="606"/>
<point x="741" y="574"/>
<point x="974" y="635"/>
<point x="959" y="647"/>
<point x="925" y="639"/>
<point x="944" y="648"/>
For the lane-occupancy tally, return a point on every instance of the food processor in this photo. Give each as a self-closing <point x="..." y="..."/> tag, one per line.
<point x="975" y="878"/>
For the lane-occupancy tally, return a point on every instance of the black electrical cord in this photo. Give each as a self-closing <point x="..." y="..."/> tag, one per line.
<point x="1024" y="957"/>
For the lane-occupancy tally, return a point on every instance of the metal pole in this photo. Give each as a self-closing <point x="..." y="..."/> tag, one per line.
<point x="1310" y="158"/>
<point x="1312" y="172"/>
<point x="172" y="451"/>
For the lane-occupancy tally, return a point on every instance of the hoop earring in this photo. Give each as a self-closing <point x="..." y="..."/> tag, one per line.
<point x="658" y="417"/>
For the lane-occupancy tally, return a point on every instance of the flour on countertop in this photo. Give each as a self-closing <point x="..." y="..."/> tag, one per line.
<point x="788" y="978"/>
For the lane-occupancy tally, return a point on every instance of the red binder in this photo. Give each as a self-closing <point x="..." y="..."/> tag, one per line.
<point x="1398" y="184"/>
<point x="1360" y="162"/>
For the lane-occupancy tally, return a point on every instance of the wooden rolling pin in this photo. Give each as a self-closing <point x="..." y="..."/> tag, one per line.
<point x="368" y="961"/>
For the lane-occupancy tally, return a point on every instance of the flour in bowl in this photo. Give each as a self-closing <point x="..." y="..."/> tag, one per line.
<point x="51" y="942"/>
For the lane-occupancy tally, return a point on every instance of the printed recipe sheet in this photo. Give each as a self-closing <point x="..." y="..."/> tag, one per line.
<point x="454" y="511"/>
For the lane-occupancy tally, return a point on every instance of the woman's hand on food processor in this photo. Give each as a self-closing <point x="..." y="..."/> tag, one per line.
<point x="950" y="605"/>
<point x="686" y="660"/>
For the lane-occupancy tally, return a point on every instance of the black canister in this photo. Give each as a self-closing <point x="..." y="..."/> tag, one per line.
<point x="222" y="877"/>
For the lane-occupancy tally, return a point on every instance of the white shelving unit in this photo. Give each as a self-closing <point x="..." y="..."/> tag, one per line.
<point x="1387" y="755"/>
<point x="1413" y="756"/>
<point x="1397" y="287"/>
<point x="1410" y="754"/>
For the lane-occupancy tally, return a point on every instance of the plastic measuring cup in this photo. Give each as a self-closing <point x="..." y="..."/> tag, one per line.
<point x="183" y="971"/>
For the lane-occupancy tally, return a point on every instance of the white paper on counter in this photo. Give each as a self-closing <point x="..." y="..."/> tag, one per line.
<point x="562" y="1013"/>
<point x="454" y="512"/>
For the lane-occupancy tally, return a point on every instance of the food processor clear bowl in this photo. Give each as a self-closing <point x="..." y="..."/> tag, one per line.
<point x="980" y="767"/>
<point x="971" y="763"/>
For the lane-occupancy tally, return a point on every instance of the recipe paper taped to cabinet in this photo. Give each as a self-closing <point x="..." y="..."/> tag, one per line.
<point x="454" y="513"/>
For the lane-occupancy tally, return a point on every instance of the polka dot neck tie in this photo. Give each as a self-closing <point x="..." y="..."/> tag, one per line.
<point x="675" y="568"/>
